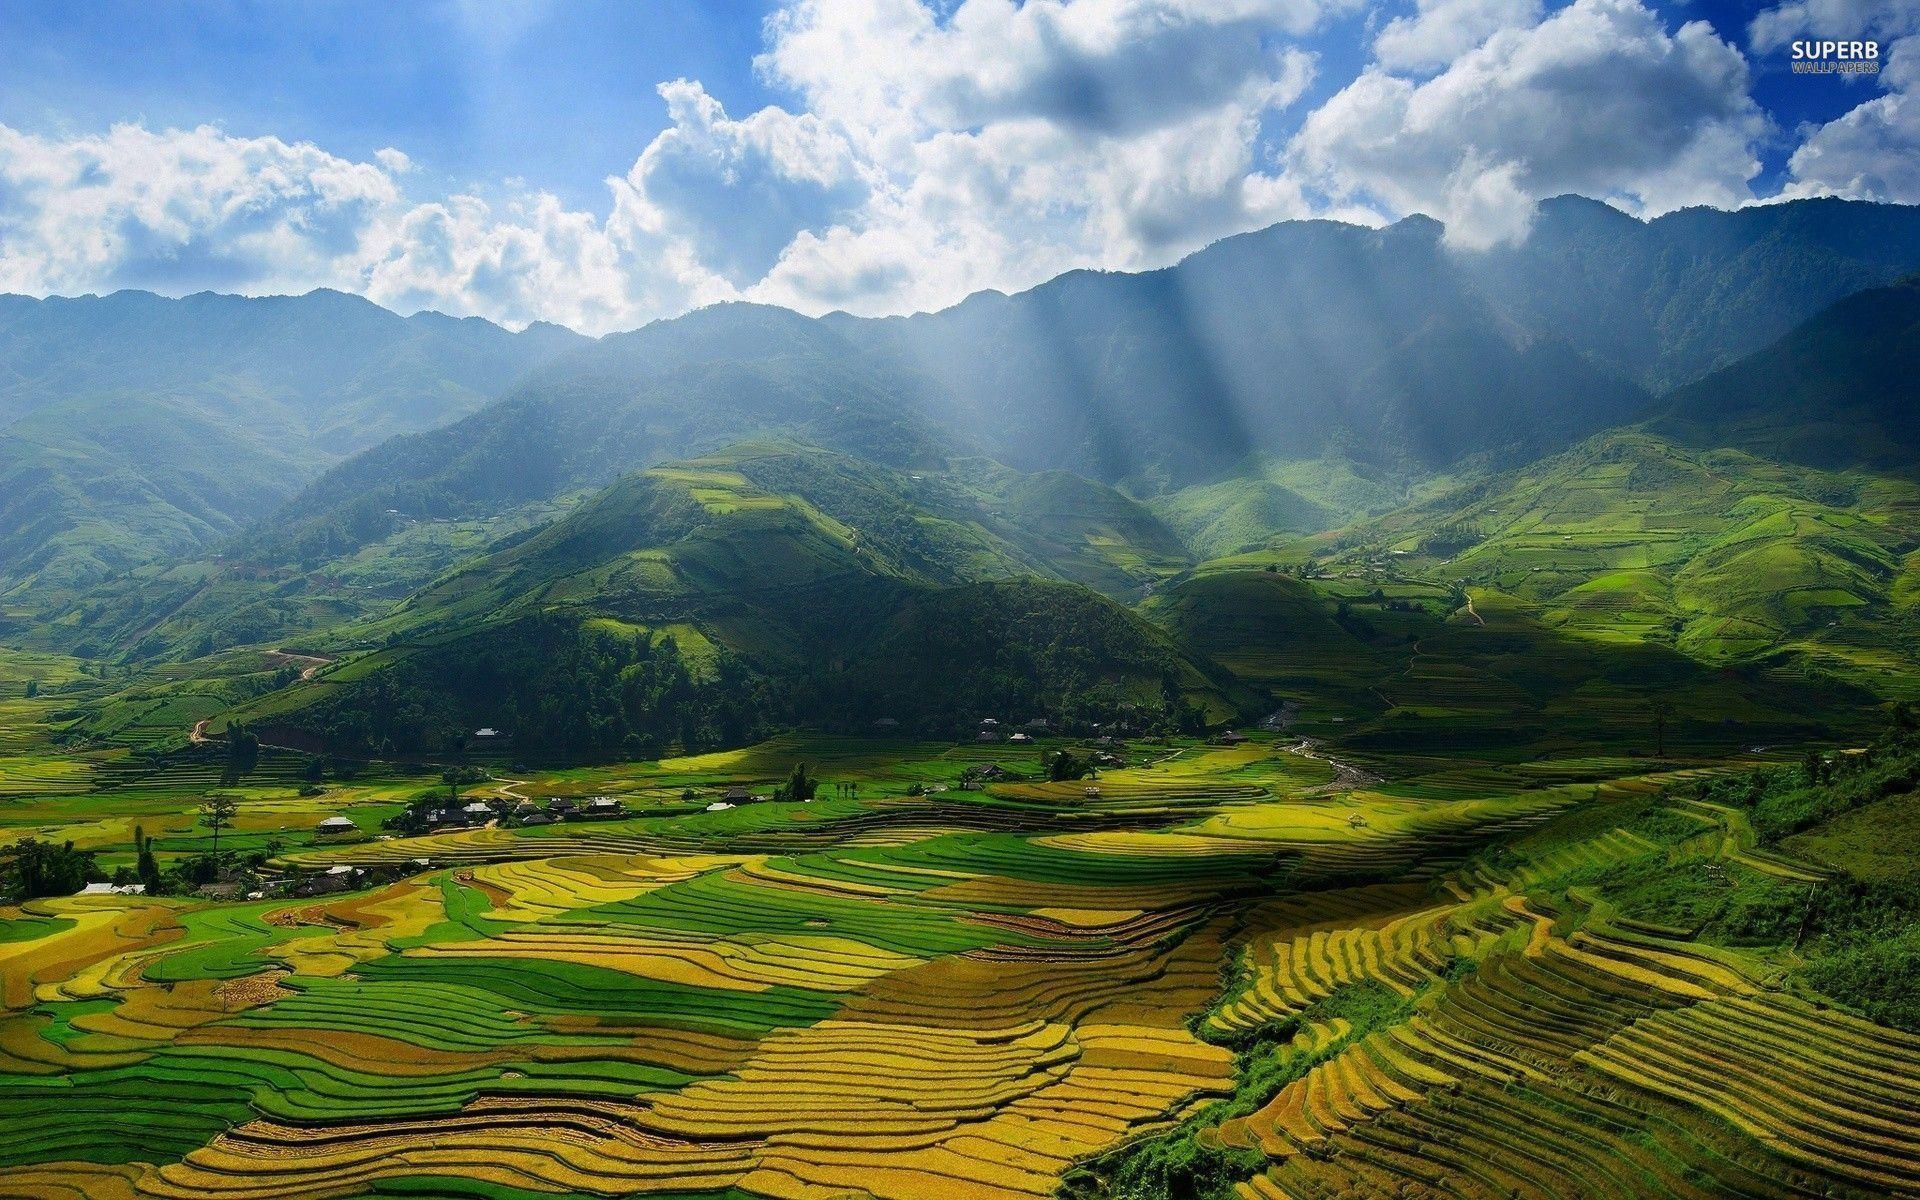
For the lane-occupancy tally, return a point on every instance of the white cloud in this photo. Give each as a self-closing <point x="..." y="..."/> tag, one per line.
<point x="1775" y="27"/>
<point x="178" y="210"/>
<point x="1598" y="99"/>
<point x="933" y="153"/>
<point x="1443" y="30"/>
<point x="739" y="191"/>
<point x="932" y="148"/>
<point x="1871" y="152"/>
<point x="1097" y="66"/>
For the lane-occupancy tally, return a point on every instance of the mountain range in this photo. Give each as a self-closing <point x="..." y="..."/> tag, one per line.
<point x="1688" y="439"/>
<point x="134" y="428"/>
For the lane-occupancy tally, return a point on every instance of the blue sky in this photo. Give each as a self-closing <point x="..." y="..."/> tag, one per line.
<point x="879" y="155"/>
<point x="561" y="94"/>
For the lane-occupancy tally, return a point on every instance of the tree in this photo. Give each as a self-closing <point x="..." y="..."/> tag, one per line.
<point x="243" y="754"/>
<point x="33" y="688"/>
<point x="1064" y="765"/>
<point x="145" y="867"/>
<point x="31" y="868"/>
<point x="216" y="813"/>
<point x="800" y="785"/>
<point x="1815" y="769"/>
<point x="457" y="777"/>
<point x="1661" y="711"/>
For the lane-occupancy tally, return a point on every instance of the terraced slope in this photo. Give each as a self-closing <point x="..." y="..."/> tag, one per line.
<point x="708" y="600"/>
<point x="1223" y="970"/>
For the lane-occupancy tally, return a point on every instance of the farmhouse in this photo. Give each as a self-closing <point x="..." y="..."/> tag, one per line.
<point x="334" y="825"/>
<point x="736" y="794"/>
<point x="114" y="889"/>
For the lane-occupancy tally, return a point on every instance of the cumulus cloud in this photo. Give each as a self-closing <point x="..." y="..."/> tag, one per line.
<point x="740" y="191"/>
<point x="1096" y="66"/>
<point x="1597" y="99"/>
<point x="935" y="150"/>
<point x="1443" y="30"/>
<point x="930" y="148"/>
<point x="1003" y="143"/>
<point x="178" y="210"/>
<point x="1775" y="27"/>
<point x="1871" y="152"/>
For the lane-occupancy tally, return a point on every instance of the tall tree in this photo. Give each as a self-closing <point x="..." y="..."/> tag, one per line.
<point x="243" y="754"/>
<point x="216" y="813"/>
<point x="145" y="867"/>
<point x="31" y="868"/>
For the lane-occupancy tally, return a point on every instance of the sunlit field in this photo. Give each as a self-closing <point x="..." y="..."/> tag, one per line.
<point x="1244" y="966"/>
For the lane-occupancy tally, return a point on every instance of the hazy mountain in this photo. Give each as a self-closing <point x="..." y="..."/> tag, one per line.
<point x="674" y="388"/>
<point x="1667" y="300"/>
<point x="134" y="427"/>
<point x="1284" y="381"/>
<point x="1842" y="390"/>
<point x="1305" y="340"/>
<point x="1382" y="351"/>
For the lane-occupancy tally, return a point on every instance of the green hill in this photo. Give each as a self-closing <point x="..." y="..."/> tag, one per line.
<point x="1389" y="662"/>
<point x="767" y="583"/>
<point x="1838" y="392"/>
<point x="1632" y="539"/>
<point x="1225" y="518"/>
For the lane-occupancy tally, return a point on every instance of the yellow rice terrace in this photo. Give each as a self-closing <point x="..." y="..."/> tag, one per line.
<point x="1259" y="967"/>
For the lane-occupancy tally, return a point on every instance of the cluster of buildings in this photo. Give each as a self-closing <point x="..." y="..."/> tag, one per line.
<point x="564" y="808"/>
<point x="990" y="731"/>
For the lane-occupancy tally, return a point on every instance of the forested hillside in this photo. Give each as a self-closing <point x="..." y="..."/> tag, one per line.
<point x="135" y="428"/>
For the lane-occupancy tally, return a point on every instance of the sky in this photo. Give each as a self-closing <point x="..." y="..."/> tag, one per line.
<point x="602" y="164"/>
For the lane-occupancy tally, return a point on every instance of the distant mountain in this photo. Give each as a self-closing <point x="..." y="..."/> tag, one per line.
<point x="1306" y="340"/>
<point x="134" y="427"/>
<point x="1277" y="384"/>
<point x="779" y="581"/>
<point x="1841" y="391"/>
<point x="1668" y="300"/>
<point x="1379" y="353"/>
<point x="673" y="389"/>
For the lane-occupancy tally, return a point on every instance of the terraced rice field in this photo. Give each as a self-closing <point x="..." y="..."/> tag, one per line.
<point x="962" y="994"/>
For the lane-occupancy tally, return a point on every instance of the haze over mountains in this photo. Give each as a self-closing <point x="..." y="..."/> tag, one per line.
<point x="134" y="427"/>
<point x="1327" y="393"/>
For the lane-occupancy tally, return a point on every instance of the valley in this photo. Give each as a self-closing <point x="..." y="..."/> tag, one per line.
<point x="1322" y="719"/>
<point x="1219" y="968"/>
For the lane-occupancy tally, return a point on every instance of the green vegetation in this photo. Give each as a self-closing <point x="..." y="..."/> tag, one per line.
<point x="1184" y="1161"/>
<point x="135" y="428"/>
<point x="30" y="869"/>
<point x="1308" y="722"/>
